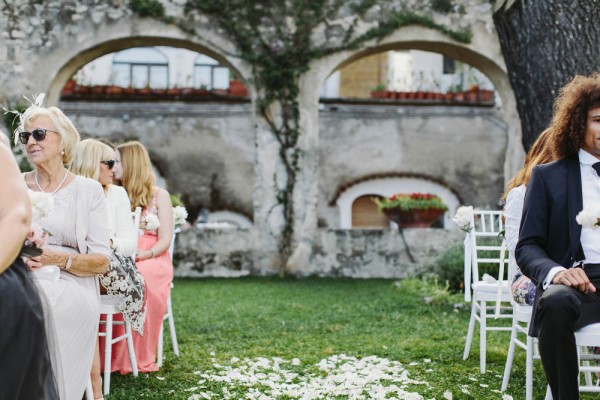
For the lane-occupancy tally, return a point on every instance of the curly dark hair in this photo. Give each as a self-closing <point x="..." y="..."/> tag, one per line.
<point x="570" y="113"/>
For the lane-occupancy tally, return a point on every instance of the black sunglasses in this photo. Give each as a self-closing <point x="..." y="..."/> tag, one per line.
<point x="38" y="134"/>
<point x="109" y="163"/>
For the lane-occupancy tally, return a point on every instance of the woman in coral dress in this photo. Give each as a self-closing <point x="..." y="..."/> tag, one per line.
<point x="133" y="170"/>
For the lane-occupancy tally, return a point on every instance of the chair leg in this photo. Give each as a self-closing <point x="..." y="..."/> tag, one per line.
<point x="108" y="353"/>
<point x="172" y="327"/>
<point x="130" y="349"/>
<point x="529" y="369"/>
<point x="160" y="346"/>
<point x="548" y="393"/>
<point x="89" y="392"/>
<point x="470" y="331"/>
<point x="482" y="336"/>
<point x="587" y="374"/>
<point x="511" y="353"/>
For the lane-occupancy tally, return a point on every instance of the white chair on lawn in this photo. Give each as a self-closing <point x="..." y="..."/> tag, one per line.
<point x="108" y="308"/>
<point x="520" y="328"/>
<point x="588" y="336"/>
<point x="168" y="317"/>
<point x="483" y="246"/>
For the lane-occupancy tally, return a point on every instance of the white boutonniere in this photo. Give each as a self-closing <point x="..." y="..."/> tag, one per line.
<point x="589" y="217"/>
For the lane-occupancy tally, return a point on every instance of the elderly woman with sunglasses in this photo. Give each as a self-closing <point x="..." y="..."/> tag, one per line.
<point x="95" y="159"/>
<point x="78" y="245"/>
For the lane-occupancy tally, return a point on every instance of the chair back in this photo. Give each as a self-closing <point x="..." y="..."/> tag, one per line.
<point x="484" y="247"/>
<point x="137" y="215"/>
<point x="172" y="246"/>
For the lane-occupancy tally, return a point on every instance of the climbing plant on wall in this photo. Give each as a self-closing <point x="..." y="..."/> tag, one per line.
<point x="279" y="39"/>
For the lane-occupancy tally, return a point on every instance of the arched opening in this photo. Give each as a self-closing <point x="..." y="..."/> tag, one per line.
<point x="409" y="76"/>
<point x="463" y="141"/>
<point x="190" y="133"/>
<point x="366" y="215"/>
<point x="155" y="73"/>
<point x="356" y="208"/>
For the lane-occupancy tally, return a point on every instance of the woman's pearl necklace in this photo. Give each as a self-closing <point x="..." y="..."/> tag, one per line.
<point x="55" y="190"/>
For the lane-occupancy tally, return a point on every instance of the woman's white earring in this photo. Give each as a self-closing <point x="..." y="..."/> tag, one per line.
<point x="62" y="153"/>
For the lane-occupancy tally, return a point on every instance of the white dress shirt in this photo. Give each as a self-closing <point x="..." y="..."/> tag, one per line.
<point x="513" y="210"/>
<point x="590" y="190"/>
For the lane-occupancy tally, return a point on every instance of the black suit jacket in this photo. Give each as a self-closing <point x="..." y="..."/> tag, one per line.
<point x="549" y="235"/>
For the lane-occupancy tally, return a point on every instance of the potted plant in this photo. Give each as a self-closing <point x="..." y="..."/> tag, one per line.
<point x="237" y="88"/>
<point x="411" y="210"/>
<point x="379" y="92"/>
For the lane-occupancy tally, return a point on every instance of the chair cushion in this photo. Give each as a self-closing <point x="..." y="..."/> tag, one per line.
<point x="482" y="286"/>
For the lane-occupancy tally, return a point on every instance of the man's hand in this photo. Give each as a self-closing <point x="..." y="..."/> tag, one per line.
<point x="575" y="278"/>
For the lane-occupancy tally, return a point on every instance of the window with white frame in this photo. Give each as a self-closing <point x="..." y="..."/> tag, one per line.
<point x="140" y="67"/>
<point x="209" y="74"/>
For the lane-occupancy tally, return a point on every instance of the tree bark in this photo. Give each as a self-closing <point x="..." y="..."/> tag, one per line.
<point x="545" y="43"/>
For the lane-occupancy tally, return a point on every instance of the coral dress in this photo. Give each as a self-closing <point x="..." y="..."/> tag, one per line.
<point x="158" y="274"/>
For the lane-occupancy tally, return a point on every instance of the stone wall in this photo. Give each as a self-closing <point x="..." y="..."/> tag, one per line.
<point x="206" y="151"/>
<point x="356" y="253"/>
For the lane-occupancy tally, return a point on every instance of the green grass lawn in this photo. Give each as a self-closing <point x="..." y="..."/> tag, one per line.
<point x="314" y="319"/>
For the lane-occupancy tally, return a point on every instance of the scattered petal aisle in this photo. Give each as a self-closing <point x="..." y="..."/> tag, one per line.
<point x="340" y="375"/>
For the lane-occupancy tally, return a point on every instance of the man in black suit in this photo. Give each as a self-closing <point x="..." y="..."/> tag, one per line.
<point x="560" y="256"/>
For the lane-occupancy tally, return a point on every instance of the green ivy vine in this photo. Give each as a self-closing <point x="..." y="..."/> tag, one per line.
<point x="276" y="38"/>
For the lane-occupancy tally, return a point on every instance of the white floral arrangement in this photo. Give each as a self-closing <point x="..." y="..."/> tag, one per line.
<point x="589" y="217"/>
<point x="151" y="222"/>
<point x="180" y="215"/>
<point x="42" y="204"/>
<point x="463" y="218"/>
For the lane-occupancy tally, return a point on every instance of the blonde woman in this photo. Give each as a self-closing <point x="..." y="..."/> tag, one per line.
<point x="133" y="170"/>
<point x="78" y="245"/>
<point x="96" y="160"/>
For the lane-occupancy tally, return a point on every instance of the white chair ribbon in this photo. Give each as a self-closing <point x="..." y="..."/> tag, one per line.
<point x="468" y="266"/>
<point x="500" y="279"/>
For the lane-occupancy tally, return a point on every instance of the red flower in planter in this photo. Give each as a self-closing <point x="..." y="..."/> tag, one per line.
<point x="411" y="201"/>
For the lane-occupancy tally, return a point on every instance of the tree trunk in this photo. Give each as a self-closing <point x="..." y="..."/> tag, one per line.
<point x="545" y="43"/>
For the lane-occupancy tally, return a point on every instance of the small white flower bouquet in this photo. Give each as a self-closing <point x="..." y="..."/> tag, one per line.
<point x="463" y="218"/>
<point x="180" y="215"/>
<point x="42" y="205"/>
<point x="589" y="217"/>
<point x="151" y="222"/>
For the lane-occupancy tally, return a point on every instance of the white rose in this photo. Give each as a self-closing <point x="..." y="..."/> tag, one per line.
<point x="180" y="215"/>
<point x="463" y="217"/>
<point x="589" y="216"/>
<point x="42" y="204"/>
<point x="152" y="222"/>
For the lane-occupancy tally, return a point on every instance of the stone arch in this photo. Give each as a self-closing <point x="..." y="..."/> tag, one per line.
<point x="386" y="186"/>
<point x="483" y="53"/>
<point x="70" y="55"/>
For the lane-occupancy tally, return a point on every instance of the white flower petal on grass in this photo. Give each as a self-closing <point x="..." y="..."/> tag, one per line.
<point x="506" y="397"/>
<point x="160" y="378"/>
<point x="295" y="361"/>
<point x="448" y="395"/>
<point x="191" y="389"/>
